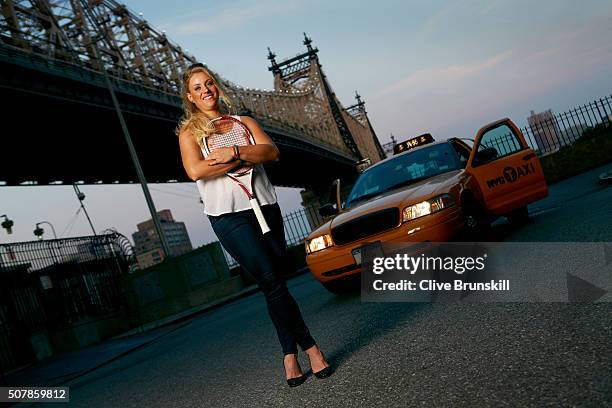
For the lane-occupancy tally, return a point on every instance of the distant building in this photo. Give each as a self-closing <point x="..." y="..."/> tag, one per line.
<point x="388" y="147"/>
<point x="545" y="130"/>
<point x="147" y="245"/>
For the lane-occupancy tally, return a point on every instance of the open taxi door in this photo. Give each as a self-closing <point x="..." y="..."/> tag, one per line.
<point x="506" y="169"/>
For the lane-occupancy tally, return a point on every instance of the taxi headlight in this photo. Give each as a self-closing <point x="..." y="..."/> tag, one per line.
<point x="318" y="243"/>
<point x="427" y="207"/>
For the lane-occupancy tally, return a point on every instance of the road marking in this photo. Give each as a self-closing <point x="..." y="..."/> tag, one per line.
<point x="539" y="211"/>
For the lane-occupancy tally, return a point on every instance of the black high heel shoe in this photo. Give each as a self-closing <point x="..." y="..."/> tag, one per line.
<point x="324" y="373"/>
<point x="295" y="381"/>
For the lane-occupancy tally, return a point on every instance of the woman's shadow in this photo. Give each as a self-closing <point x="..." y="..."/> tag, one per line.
<point x="359" y="327"/>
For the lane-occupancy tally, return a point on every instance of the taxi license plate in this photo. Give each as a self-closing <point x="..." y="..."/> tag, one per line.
<point x="374" y="248"/>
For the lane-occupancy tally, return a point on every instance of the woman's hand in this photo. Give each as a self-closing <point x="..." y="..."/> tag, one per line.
<point x="264" y="150"/>
<point x="194" y="163"/>
<point x="220" y="156"/>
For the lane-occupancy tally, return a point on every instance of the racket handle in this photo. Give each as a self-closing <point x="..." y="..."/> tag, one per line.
<point x="259" y="215"/>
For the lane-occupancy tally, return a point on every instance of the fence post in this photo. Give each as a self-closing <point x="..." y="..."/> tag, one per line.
<point x="592" y="112"/>
<point x="598" y="111"/>
<point x="572" y="112"/>
<point x="556" y="130"/>
<point x="606" y="119"/>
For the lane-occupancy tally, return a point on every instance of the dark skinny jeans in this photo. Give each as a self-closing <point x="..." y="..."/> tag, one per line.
<point x="263" y="256"/>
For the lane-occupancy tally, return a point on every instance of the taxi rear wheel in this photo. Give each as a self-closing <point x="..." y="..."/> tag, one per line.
<point x="519" y="216"/>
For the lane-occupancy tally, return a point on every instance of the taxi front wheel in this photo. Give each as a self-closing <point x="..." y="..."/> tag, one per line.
<point x="335" y="288"/>
<point x="475" y="219"/>
<point x="345" y="285"/>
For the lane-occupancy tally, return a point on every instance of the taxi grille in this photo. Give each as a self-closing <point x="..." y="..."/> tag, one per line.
<point x="365" y="226"/>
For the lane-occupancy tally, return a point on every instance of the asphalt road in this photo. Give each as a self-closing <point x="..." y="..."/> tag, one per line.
<point x="390" y="354"/>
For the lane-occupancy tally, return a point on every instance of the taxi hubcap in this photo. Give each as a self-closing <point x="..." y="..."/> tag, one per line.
<point x="471" y="221"/>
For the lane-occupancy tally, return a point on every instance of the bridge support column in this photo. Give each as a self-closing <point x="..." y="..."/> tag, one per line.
<point x="311" y="201"/>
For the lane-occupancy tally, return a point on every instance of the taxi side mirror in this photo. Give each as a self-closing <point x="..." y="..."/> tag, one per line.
<point x="486" y="155"/>
<point x="327" y="210"/>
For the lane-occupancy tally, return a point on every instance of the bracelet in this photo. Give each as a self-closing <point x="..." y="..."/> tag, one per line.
<point x="236" y="153"/>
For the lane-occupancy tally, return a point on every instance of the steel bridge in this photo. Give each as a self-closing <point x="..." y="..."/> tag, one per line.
<point x="59" y="126"/>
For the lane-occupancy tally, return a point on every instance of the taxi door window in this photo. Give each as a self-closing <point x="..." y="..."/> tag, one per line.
<point x="462" y="154"/>
<point x="499" y="142"/>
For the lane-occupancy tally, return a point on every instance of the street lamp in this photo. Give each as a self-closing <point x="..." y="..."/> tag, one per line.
<point x="7" y="224"/>
<point x="39" y="231"/>
<point x="81" y="197"/>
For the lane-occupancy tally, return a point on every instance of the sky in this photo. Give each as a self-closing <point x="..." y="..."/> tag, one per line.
<point x="446" y="68"/>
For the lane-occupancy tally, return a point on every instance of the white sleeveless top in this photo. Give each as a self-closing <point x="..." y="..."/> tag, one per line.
<point x="222" y="195"/>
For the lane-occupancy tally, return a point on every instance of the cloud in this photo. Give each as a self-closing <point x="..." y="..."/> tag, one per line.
<point x="222" y="21"/>
<point x="231" y="18"/>
<point x="446" y="75"/>
<point x="435" y="22"/>
<point x="458" y="98"/>
<point x="438" y="21"/>
<point x="489" y="7"/>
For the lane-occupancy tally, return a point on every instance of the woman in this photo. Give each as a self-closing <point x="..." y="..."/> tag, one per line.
<point x="232" y="218"/>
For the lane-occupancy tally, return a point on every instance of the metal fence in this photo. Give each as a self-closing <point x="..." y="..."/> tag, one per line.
<point x="548" y="133"/>
<point x="52" y="284"/>
<point x="298" y="224"/>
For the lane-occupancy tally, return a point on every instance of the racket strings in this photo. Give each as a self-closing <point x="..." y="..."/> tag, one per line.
<point x="229" y="133"/>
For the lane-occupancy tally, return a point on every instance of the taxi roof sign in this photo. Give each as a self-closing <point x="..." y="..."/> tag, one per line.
<point x="406" y="145"/>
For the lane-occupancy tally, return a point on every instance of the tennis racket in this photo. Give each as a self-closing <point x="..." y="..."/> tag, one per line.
<point x="227" y="133"/>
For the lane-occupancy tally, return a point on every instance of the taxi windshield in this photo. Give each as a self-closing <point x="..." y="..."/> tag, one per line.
<point x="403" y="170"/>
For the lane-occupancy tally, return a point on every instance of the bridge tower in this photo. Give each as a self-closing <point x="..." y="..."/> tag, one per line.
<point x="297" y="73"/>
<point x="359" y="112"/>
<point x="302" y="73"/>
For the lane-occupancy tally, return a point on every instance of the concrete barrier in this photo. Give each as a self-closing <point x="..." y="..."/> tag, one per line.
<point x="179" y="283"/>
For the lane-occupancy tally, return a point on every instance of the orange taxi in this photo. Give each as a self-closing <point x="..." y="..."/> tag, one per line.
<point x="428" y="191"/>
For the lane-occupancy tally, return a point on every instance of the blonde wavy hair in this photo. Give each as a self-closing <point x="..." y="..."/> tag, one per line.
<point x="193" y="119"/>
